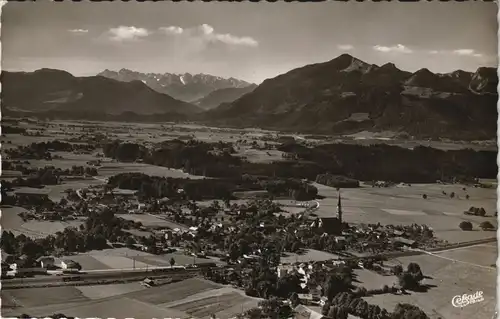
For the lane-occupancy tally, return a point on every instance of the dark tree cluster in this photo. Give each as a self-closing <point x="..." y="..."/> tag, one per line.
<point x="41" y="150"/>
<point x="476" y="211"/>
<point x="397" y="164"/>
<point x="411" y="278"/>
<point x="465" y="225"/>
<point x="345" y="303"/>
<point x="337" y="181"/>
<point x="198" y="189"/>
<point x="9" y="129"/>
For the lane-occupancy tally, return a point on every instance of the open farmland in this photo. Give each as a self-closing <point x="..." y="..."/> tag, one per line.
<point x="172" y="292"/>
<point x="464" y="273"/>
<point x="224" y="303"/>
<point x="12" y="222"/>
<point x="405" y="205"/>
<point x="35" y="297"/>
<point x="195" y="297"/>
<point x="112" y="290"/>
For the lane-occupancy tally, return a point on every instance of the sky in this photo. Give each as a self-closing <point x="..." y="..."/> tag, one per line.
<point x="248" y="41"/>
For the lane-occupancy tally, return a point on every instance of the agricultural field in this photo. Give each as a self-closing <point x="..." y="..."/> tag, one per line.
<point x="35" y="297"/>
<point x="12" y="222"/>
<point x="406" y="205"/>
<point x="196" y="297"/>
<point x="451" y="273"/>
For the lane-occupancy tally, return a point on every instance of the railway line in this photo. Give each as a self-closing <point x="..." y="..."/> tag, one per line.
<point x="101" y="277"/>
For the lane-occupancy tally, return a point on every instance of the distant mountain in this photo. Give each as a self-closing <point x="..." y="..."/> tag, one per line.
<point x="186" y="87"/>
<point x="347" y="95"/>
<point x="48" y="90"/>
<point x="227" y="95"/>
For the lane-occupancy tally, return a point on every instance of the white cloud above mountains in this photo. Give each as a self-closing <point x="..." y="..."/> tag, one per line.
<point x="171" y="30"/>
<point x="345" y="47"/>
<point x="204" y="33"/>
<point x="459" y="52"/>
<point x="398" y="48"/>
<point x="78" y="31"/>
<point x="127" y="33"/>
<point x="207" y="33"/>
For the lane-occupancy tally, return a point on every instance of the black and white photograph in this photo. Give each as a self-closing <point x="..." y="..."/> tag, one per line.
<point x="249" y="160"/>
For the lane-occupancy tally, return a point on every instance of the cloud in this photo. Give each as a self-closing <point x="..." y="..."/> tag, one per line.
<point x="172" y="30"/>
<point x="459" y="52"/>
<point x="345" y="47"/>
<point x="206" y="29"/>
<point x="207" y="34"/>
<point x="78" y="31"/>
<point x="124" y="33"/>
<point x="399" y="48"/>
<point x="467" y="52"/>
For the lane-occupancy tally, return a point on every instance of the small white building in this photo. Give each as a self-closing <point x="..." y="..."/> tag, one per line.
<point x="69" y="264"/>
<point x="46" y="261"/>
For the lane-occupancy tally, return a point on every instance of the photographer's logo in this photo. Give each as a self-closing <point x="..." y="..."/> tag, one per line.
<point x="465" y="299"/>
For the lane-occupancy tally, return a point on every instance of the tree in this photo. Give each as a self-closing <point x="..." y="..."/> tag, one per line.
<point x="338" y="312"/>
<point x="397" y="270"/>
<point x="407" y="281"/>
<point x="415" y="271"/>
<point x="424" y="196"/>
<point x="326" y="308"/>
<point x="172" y="262"/>
<point x="486" y="225"/>
<point x="407" y="311"/>
<point x="481" y="212"/>
<point x="465" y="225"/>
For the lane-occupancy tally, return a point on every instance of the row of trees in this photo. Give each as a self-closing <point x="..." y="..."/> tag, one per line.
<point x="198" y="189"/>
<point x="41" y="150"/>
<point x="466" y="225"/>
<point x="397" y="164"/>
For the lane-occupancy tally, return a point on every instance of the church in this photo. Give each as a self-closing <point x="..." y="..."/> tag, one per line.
<point x="330" y="225"/>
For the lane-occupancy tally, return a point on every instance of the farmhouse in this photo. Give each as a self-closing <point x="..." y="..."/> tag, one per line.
<point x="124" y="192"/>
<point x="303" y="312"/>
<point x="400" y="241"/>
<point x="328" y="225"/>
<point x="70" y="264"/>
<point x="46" y="261"/>
<point x="33" y="193"/>
<point x="10" y="174"/>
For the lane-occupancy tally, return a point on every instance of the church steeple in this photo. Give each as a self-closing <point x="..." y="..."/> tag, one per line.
<point x="339" y="208"/>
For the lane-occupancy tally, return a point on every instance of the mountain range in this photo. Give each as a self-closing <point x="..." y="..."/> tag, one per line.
<point x="341" y="96"/>
<point x="48" y="90"/>
<point x="347" y="95"/>
<point x="217" y="97"/>
<point x="185" y="87"/>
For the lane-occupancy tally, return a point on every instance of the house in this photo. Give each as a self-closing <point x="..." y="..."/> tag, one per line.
<point x="124" y="192"/>
<point x="305" y="299"/>
<point x="400" y="241"/>
<point x="148" y="282"/>
<point x="283" y="270"/>
<point x="303" y="312"/>
<point x="33" y="193"/>
<point x="46" y="261"/>
<point x="329" y="225"/>
<point x="70" y="264"/>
